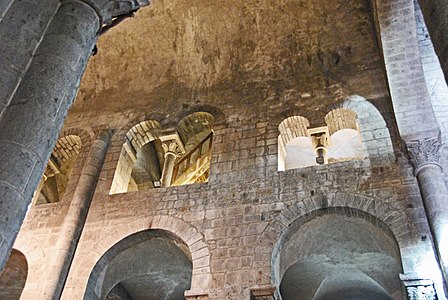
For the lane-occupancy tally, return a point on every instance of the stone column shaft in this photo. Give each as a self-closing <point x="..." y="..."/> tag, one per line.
<point x="75" y="218"/>
<point x="22" y="25"/>
<point x="171" y="151"/>
<point x="31" y="123"/>
<point x="168" y="167"/>
<point x="424" y="156"/>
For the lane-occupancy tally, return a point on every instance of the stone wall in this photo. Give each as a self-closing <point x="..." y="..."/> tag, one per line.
<point x="238" y="216"/>
<point x="231" y="223"/>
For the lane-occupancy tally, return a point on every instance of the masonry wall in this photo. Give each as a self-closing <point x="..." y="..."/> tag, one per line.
<point x="241" y="212"/>
<point x="232" y="222"/>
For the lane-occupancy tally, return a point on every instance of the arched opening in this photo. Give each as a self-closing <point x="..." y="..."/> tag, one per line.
<point x="196" y="132"/>
<point x="148" y="265"/>
<point x="373" y="129"/>
<point x="345" y="140"/>
<point x="141" y="158"/>
<point x="301" y="146"/>
<point x="154" y="157"/>
<point x="54" y="182"/>
<point x="13" y="276"/>
<point x="336" y="255"/>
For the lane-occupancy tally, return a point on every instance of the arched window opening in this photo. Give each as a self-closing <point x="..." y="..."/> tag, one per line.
<point x="196" y="133"/>
<point x="57" y="173"/>
<point x="13" y="276"/>
<point x="337" y="256"/>
<point x="345" y="139"/>
<point x="154" y="157"/>
<point x="152" y="264"/>
<point x="301" y="146"/>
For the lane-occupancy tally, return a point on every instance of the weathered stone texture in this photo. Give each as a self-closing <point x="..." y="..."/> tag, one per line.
<point x="22" y="24"/>
<point x="251" y="64"/>
<point x="435" y="13"/>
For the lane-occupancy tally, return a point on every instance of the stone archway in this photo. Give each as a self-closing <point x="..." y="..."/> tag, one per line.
<point x="337" y="254"/>
<point x="382" y="211"/>
<point x="86" y="259"/>
<point x="150" y="264"/>
<point x="13" y="276"/>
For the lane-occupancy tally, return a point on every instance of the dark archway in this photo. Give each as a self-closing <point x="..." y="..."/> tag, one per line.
<point x="13" y="276"/>
<point x="339" y="256"/>
<point x="148" y="265"/>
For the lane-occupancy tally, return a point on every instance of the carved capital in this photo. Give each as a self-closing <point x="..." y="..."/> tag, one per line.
<point x="195" y="295"/>
<point x="424" y="152"/>
<point x="262" y="293"/>
<point x="417" y="288"/>
<point x="108" y="10"/>
<point x="172" y="147"/>
<point x="421" y="292"/>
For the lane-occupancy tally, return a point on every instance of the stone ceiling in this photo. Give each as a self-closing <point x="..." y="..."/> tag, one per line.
<point x="297" y="54"/>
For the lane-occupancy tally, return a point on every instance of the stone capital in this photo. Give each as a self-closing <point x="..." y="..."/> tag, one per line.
<point x="107" y="10"/>
<point x="418" y="288"/>
<point x="171" y="147"/>
<point x="262" y="293"/>
<point x="424" y="152"/>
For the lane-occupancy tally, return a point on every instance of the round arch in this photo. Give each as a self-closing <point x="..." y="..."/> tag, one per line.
<point x="35" y="255"/>
<point x="391" y="218"/>
<point x="280" y="265"/>
<point x="153" y="262"/>
<point x="200" y="255"/>
<point x="14" y="275"/>
<point x="375" y="134"/>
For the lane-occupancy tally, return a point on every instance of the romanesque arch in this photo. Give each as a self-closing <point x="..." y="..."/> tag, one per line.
<point x="153" y="263"/>
<point x="337" y="254"/>
<point x="386" y="215"/>
<point x="68" y="154"/>
<point x="14" y="276"/>
<point x="375" y="135"/>
<point x="184" y="232"/>
<point x="35" y="255"/>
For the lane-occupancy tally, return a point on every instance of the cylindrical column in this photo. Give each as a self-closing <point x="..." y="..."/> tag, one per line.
<point x="75" y="218"/>
<point x="31" y="123"/>
<point x="435" y="13"/>
<point x="22" y="25"/>
<point x="424" y="156"/>
<point x="168" y="165"/>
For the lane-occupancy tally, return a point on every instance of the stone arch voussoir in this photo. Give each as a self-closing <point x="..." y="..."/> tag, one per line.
<point x="373" y="128"/>
<point x="382" y="214"/>
<point x="35" y="256"/>
<point x="201" y="276"/>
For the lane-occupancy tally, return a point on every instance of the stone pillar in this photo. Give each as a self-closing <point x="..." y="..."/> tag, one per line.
<point x="425" y="155"/>
<point x="168" y="166"/>
<point x="31" y="123"/>
<point x="76" y="216"/>
<point x="435" y="13"/>
<point x="22" y="25"/>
